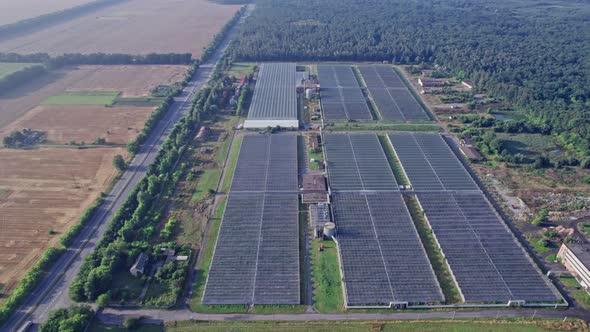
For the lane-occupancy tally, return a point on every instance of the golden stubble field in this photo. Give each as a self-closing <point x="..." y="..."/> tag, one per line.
<point x="133" y="27"/>
<point x="85" y="123"/>
<point x="43" y="190"/>
<point x="17" y="10"/>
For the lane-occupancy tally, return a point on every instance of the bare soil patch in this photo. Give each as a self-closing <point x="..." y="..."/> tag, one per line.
<point x="44" y="189"/>
<point x="17" y="10"/>
<point x="85" y="123"/>
<point x="132" y="81"/>
<point x="133" y="27"/>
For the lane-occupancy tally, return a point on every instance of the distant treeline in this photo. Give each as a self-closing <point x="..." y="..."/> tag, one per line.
<point x="233" y="2"/>
<point x="21" y="76"/>
<point x="39" y="22"/>
<point x="100" y="59"/>
<point x="533" y="54"/>
<point x="219" y="37"/>
<point x="45" y="63"/>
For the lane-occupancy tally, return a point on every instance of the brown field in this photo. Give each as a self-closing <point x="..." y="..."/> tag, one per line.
<point x="43" y="190"/>
<point x="132" y="81"/>
<point x="84" y="123"/>
<point x="17" y="10"/>
<point x="133" y="27"/>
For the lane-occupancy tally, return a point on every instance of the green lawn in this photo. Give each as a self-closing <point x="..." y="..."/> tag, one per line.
<point x="325" y="274"/>
<point x="82" y="98"/>
<point x="576" y="291"/>
<point x="354" y="326"/>
<point x="97" y="326"/>
<point x="529" y="145"/>
<point x="239" y="69"/>
<point x="127" y="286"/>
<point x="231" y="164"/>
<point x="537" y="244"/>
<point x="207" y="181"/>
<point x="9" y="68"/>
<point x="317" y="156"/>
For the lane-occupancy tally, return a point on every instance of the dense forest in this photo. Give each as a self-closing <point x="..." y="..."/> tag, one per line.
<point x="534" y="54"/>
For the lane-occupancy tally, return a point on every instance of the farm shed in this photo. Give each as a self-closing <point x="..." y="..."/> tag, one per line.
<point x="576" y="258"/>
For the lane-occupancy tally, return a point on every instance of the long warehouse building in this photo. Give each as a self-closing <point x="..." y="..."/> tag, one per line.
<point x="275" y="97"/>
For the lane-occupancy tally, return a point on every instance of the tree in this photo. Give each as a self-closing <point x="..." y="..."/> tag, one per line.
<point x="119" y="163"/>
<point x="73" y="319"/>
<point x="103" y="300"/>
<point x="131" y="323"/>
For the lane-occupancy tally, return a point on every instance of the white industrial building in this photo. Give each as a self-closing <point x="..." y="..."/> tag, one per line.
<point x="275" y="97"/>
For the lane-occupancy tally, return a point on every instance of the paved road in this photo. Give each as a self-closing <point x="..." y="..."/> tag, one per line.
<point x="52" y="292"/>
<point x="113" y="316"/>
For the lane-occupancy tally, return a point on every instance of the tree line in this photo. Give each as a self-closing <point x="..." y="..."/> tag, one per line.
<point x="133" y="228"/>
<point x="535" y="55"/>
<point x="21" y="76"/>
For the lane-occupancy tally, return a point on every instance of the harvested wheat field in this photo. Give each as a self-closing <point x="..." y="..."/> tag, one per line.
<point x="131" y="81"/>
<point x="85" y="123"/>
<point x="17" y="10"/>
<point x="132" y="27"/>
<point x="43" y="190"/>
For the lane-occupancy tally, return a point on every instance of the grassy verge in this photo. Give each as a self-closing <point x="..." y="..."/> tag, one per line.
<point x="207" y="182"/>
<point x="97" y="326"/>
<point x="516" y="325"/>
<point x="355" y="126"/>
<point x="140" y="99"/>
<point x="325" y="274"/>
<point x="443" y="275"/>
<point x="398" y="171"/>
<point x="576" y="291"/>
<point x="82" y="98"/>
<point x="231" y="164"/>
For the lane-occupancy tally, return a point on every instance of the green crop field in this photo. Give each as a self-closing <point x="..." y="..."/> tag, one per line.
<point x="83" y="98"/>
<point x="9" y="68"/>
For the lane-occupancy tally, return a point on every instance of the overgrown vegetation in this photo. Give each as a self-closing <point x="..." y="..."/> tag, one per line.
<point x="73" y="319"/>
<point x="325" y="274"/>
